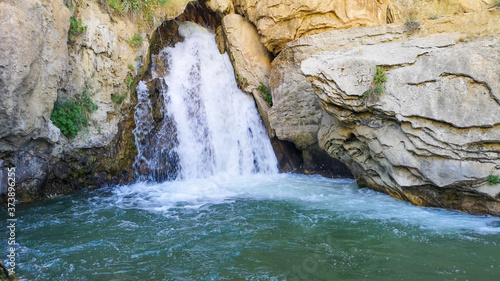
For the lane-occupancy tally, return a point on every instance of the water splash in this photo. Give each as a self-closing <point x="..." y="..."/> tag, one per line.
<point x="204" y="125"/>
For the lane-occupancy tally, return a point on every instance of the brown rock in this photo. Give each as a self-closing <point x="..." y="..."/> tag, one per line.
<point x="279" y="22"/>
<point x="251" y="60"/>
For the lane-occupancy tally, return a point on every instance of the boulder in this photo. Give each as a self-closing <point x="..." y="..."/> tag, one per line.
<point x="251" y="60"/>
<point x="221" y="6"/>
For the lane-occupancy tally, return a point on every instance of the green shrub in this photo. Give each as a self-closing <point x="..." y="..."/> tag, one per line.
<point x="496" y="3"/>
<point x="377" y="86"/>
<point x="76" y="27"/>
<point x="117" y="98"/>
<point x="131" y="5"/>
<point x="265" y="92"/>
<point x="146" y="7"/>
<point x="492" y="179"/>
<point x="72" y="116"/>
<point x="115" y="5"/>
<point x="135" y="40"/>
<point x="379" y="77"/>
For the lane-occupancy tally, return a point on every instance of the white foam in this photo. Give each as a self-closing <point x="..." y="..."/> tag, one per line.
<point x="335" y="197"/>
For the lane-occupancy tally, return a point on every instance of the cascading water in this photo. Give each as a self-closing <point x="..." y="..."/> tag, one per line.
<point x="206" y="125"/>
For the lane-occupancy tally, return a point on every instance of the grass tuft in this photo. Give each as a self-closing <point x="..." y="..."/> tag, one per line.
<point x="266" y="93"/>
<point x="492" y="179"/>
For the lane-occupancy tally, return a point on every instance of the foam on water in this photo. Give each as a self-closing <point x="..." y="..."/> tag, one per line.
<point x="337" y="197"/>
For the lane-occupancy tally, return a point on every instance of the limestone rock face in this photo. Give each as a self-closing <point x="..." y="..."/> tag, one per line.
<point x="102" y="59"/>
<point x="430" y="137"/>
<point x="280" y="22"/>
<point x="436" y="121"/>
<point x="32" y="62"/>
<point x="222" y="6"/>
<point x="402" y="10"/>
<point x="251" y="60"/>
<point x="39" y="65"/>
<point x="296" y="113"/>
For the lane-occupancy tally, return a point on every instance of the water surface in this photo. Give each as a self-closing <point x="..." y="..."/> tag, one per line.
<point x="260" y="227"/>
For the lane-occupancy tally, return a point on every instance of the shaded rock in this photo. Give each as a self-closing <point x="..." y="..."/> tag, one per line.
<point x="198" y="12"/>
<point x="5" y="275"/>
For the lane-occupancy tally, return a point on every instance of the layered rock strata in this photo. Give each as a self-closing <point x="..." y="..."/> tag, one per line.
<point x="430" y="136"/>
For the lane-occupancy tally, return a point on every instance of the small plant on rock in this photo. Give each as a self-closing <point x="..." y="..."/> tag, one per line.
<point x="135" y="40"/>
<point x="377" y="86"/>
<point x="72" y="116"/>
<point x="492" y="179"/>
<point x="129" y="81"/>
<point x="379" y="77"/>
<point x="117" y="98"/>
<point x="76" y="27"/>
<point x="266" y="93"/>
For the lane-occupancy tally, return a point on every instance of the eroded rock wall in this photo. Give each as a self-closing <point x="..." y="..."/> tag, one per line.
<point x="430" y="137"/>
<point x="32" y="64"/>
<point x="39" y="64"/>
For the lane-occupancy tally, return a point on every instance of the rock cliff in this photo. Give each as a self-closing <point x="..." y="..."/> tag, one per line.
<point x="40" y="64"/>
<point x="429" y="136"/>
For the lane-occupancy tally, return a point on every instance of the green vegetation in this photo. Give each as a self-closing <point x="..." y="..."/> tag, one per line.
<point x="115" y="5"/>
<point x="135" y="40"/>
<point x="266" y="93"/>
<point x="379" y="77"/>
<point x="129" y="81"/>
<point x="496" y="3"/>
<point x="412" y="25"/>
<point x="117" y="98"/>
<point x="492" y="179"/>
<point x="146" y="8"/>
<point x="131" y="67"/>
<point x="76" y="27"/>
<point x="452" y="196"/>
<point x="378" y="82"/>
<point x="378" y="89"/>
<point x="72" y="116"/>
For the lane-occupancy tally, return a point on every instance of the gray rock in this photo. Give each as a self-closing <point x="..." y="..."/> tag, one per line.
<point x="430" y="137"/>
<point x="32" y="62"/>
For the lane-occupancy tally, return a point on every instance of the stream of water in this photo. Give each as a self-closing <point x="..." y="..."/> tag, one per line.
<point x="210" y="205"/>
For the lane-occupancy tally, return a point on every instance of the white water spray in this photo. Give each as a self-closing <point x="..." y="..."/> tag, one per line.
<point x="210" y="127"/>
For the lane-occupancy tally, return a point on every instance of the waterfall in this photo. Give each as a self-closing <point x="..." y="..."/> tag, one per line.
<point x="192" y="120"/>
